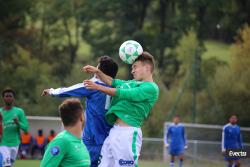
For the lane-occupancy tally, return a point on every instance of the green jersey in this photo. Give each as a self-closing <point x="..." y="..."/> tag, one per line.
<point x="132" y="102"/>
<point x="66" y="150"/>
<point x="11" y="131"/>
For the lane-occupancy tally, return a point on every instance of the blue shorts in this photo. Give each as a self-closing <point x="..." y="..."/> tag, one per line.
<point x="94" y="152"/>
<point x="227" y="158"/>
<point x="176" y="152"/>
<point x="1" y="160"/>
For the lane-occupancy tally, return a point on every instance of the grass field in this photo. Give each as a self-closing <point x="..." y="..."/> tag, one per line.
<point x="36" y="163"/>
<point x="217" y="49"/>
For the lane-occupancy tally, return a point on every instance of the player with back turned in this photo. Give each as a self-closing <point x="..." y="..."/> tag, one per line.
<point x="67" y="149"/>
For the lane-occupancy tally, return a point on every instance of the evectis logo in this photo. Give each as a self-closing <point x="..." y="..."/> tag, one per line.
<point x="126" y="162"/>
<point x="237" y="153"/>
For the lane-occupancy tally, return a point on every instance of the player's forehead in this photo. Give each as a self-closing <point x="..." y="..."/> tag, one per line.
<point x="136" y="64"/>
<point x="233" y="117"/>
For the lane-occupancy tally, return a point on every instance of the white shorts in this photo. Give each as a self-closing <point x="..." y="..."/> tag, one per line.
<point x="9" y="155"/>
<point x="122" y="147"/>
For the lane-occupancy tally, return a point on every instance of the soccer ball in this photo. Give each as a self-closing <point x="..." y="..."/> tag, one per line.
<point x="129" y="51"/>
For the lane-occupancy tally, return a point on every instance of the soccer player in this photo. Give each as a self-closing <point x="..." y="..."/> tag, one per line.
<point x="67" y="148"/>
<point x="51" y="136"/>
<point x="14" y="120"/>
<point x="131" y="104"/>
<point x="25" y="146"/>
<point x="96" y="129"/>
<point x="39" y="143"/>
<point x="175" y="141"/>
<point x="231" y="139"/>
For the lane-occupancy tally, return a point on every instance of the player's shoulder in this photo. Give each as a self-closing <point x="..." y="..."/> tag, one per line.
<point x="238" y="126"/>
<point x="96" y="80"/>
<point x="60" y="139"/>
<point x="170" y="125"/>
<point x="150" y="85"/>
<point x="57" y="145"/>
<point x="18" y="109"/>
<point x="181" y="125"/>
<point x="226" y="126"/>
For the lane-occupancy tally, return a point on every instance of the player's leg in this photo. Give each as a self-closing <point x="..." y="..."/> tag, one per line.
<point x="94" y="152"/>
<point x="106" y="158"/>
<point x="13" y="154"/>
<point x="181" y="158"/>
<point x="172" y="157"/>
<point x="172" y="153"/>
<point x="237" y="163"/>
<point x="33" y="150"/>
<point x="5" y="156"/>
<point x="126" y="146"/>
<point x="230" y="163"/>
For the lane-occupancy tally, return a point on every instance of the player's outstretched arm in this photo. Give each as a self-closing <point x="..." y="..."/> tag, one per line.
<point x="91" y="85"/>
<point x="93" y="70"/>
<point x="77" y="90"/>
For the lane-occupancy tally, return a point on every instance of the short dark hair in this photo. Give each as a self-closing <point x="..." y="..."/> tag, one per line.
<point x="146" y="58"/>
<point x="8" y="90"/>
<point x="40" y="131"/>
<point x="108" y="66"/>
<point x="70" y="111"/>
<point x="176" y="116"/>
<point x="233" y="115"/>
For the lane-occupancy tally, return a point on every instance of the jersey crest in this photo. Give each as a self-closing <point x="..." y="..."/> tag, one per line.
<point x="55" y="151"/>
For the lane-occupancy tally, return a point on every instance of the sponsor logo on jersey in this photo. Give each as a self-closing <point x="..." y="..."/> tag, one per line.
<point x="123" y="162"/>
<point x="55" y="151"/>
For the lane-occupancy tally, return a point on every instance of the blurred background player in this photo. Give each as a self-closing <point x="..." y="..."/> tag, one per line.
<point x="39" y="143"/>
<point x="175" y="141"/>
<point x="97" y="103"/>
<point x="51" y="136"/>
<point x="67" y="148"/>
<point x="26" y="144"/>
<point x="131" y="104"/>
<point x="14" y="120"/>
<point x="231" y="139"/>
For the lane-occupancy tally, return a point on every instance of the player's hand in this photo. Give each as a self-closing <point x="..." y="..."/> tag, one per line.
<point x="90" y="69"/>
<point x="185" y="147"/>
<point x="45" y="92"/>
<point x="16" y="121"/>
<point x="166" y="145"/>
<point x="91" y="85"/>
<point x="223" y="153"/>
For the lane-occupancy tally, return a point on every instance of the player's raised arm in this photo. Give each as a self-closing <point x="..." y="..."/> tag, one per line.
<point x="93" y="70"/>
<point x="91" y="85"/>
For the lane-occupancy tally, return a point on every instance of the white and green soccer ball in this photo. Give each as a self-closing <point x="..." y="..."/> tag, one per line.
<point x="129" y="51"/>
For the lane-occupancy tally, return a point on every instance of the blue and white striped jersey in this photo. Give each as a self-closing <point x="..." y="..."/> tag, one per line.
<point x="231" y="137"/>
<point x="96" y="128"/>
<point x="175" y="136"/>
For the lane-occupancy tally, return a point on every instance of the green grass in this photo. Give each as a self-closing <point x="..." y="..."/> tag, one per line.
<point x="36" y="163"/>
<point x="27" y="163"/>
<point x="217" y="49"/>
